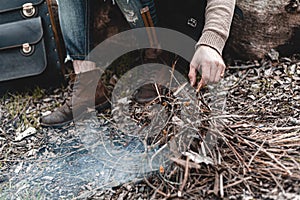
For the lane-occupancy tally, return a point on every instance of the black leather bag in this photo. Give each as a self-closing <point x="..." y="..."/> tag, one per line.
<point x="31" y="53"/>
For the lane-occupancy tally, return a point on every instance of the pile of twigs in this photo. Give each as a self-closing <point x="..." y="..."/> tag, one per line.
<point x="257" y="153"/>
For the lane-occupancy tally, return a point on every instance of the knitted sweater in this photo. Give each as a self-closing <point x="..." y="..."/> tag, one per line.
<point x="218" y="17"/>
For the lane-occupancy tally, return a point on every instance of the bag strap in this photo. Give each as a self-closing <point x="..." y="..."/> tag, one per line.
<point x="54" y="19"/>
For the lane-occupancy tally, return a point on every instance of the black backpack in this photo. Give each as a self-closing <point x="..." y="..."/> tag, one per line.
<point x="184" y="16"/>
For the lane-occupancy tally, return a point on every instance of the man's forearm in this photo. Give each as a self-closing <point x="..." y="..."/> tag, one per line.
<point x="218" y="18"/>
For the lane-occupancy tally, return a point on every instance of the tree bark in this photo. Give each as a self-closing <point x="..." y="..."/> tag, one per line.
<point x="265" y="25"/>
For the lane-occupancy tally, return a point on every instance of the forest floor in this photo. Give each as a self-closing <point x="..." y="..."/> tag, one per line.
<point x="255" y="155"/>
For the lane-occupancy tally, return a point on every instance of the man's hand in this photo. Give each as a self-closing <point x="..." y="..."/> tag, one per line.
<point x="209" y="62"/>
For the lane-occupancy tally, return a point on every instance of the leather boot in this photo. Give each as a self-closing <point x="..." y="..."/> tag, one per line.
<point x="149" y="92"/>
<point x="87" y="91"/>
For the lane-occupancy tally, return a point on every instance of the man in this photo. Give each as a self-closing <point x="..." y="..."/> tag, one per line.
<point x="74" y="21"/>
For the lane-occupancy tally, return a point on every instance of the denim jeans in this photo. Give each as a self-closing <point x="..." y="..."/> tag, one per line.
<point x="75" y="23"/>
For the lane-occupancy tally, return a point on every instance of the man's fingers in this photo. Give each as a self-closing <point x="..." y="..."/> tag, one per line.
<point x="214" y="68"/>
<point x="192" y="75"/>
<point x="219" y="72"/>
<point x="205" y="70"/>
<point x="223" y="71"/>
<point x="200" y="85"/>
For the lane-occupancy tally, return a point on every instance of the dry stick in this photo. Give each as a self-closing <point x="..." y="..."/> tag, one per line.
<point x="237" y="182"/>
<point x="183" y="163"/>
<point x="273" y="158"/>
<point x="290" y="145"/>
<point x="240" y="158"/>
<point x="203" y="101"/>
<point x="293" y="137"/>
<point x="297" y="163"/>
<point x="232" y="116"/>
<point x="216" y="184"/>
<point x="233" y="149"/>
<point x="156" y="189"/>
<point x="291" y="141"/>
<point x="221" y="183"/>
<point x="276" y="181"/>
<point x="242" y="67"/>
<point x="186" y="174"/>
<point x="179" y="89"/>
<point x="280" y="128"/>
<point x="241" y="126"/>
<point x="172" y="73"/>
<point x="159" y="96"/>
<point x="282" y="136"/>
<point x="261" y="146"/>
<point x="268" y="165"/>
<point x="155" y="192"/>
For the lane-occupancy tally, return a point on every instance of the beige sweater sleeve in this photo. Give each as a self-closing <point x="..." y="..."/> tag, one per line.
<point x="218" y="17"/>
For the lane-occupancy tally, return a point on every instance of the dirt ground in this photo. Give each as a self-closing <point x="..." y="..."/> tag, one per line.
<point x="256" y="154"/>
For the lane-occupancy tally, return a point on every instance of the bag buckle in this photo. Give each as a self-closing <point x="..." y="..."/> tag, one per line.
<point x="28" y="10"/>
<point x="192" y="22"/>
<point x="26" y="48"/>
<point x="293" y="6"/>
